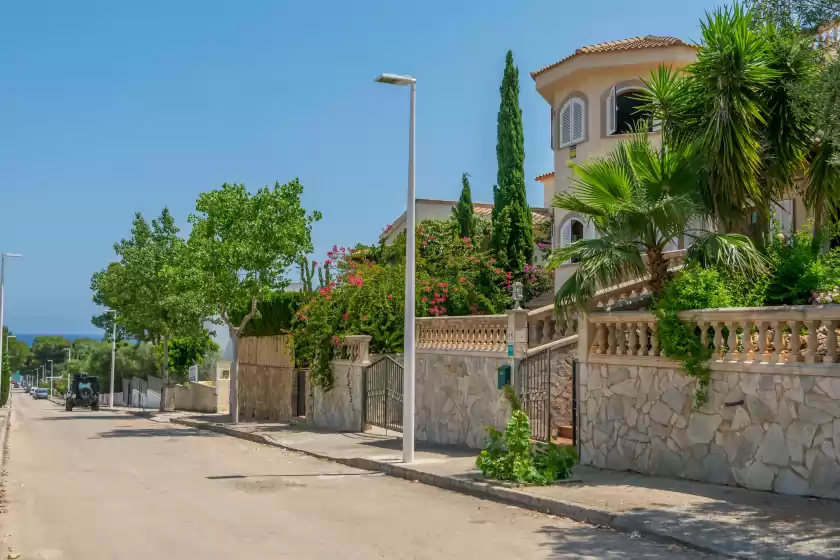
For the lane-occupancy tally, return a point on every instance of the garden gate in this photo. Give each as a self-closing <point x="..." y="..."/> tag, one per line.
<point x="383" y="394"/>
<point x="546" y="384"/>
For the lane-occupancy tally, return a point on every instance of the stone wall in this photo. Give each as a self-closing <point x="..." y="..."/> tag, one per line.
<point x="561" y="389"/>
<point x="759" y="431"/>
<point x="457" y="396"/>
<point x="340" y="408"/>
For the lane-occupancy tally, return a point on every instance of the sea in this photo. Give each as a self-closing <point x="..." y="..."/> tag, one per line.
<point x="29" y="337"/>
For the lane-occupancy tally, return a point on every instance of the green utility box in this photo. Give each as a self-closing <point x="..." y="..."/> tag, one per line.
<point x="504" y="376"/>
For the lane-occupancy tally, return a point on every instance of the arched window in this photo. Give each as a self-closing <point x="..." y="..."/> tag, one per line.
<point x="571" y="231"/>
<point x="624" y="111"/>
<point x="572" y="123"/>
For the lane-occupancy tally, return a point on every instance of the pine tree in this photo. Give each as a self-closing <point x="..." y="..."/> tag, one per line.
<point x="513" y="233"/>
<point x="463" y="212"/>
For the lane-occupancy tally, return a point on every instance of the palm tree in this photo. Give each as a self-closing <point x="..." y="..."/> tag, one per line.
<point x="640" y="199"/>
<point x="741" y="104"/>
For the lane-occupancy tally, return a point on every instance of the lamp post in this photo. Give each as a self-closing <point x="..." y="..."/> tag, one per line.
<point x="411" y="241"/>
<point x="3" y="257"/>
<point x="113" y="358"/>
<point x="517" y="294"/>
<point x="51" y="377"/>
<point x="69" y="351"/>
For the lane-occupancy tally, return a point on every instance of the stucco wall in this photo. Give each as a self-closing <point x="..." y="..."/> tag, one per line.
<point x="457" y="396"/>
<point x="201" y="397"/>
<point x="340" y="408"/>
<point x="759" y="431"/>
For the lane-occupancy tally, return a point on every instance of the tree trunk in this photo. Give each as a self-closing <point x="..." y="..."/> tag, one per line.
<point x="658" y="268"/>
<point x="234" y="378"/>
<point x="164" y="390"/>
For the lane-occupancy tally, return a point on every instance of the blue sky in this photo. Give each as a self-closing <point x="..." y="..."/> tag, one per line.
<point x="107" y="108"/>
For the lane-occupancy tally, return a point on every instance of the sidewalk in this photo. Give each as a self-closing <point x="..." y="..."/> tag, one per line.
<point x="729" y="521"/>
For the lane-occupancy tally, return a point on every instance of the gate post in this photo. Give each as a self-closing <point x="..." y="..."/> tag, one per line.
<point x="517" y="337"/>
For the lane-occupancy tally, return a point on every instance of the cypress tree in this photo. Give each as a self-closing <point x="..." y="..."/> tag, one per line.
<point x="513" y="233"/>
<point x="463" y="212"/>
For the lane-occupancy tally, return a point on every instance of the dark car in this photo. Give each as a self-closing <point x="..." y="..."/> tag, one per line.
<point x="41" y="393"/>
<point x="83" y="392"/>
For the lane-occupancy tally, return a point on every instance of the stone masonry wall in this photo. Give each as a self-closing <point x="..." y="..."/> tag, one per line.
<point x="340" y="408"/>
<point x="759" y="431"/>
<point x="457" y="396"/>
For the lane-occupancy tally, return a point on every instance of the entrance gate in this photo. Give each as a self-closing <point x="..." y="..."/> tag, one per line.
<point x="383" y="395"/>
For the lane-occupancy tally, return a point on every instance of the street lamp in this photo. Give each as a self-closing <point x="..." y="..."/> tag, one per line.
<point x="51" y="377"/>
<point x="3" y="257"/>
<point x="408" y="373"/>
<point x="69" y="351"/>
<point x="113" y="358"/>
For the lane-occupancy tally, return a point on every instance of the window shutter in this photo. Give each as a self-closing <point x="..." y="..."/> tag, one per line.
<point x="566" y="236"/>
<point x="566" y="125"/>
<point x="577" y="122"/>
<point x="611" y="112"/>
<point x="553" y="130"/>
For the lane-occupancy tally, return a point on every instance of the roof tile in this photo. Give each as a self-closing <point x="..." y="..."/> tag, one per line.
<point x="646" y="42"/>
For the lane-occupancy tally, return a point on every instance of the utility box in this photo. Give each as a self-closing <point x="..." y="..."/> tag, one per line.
<point x="503" y="376"/>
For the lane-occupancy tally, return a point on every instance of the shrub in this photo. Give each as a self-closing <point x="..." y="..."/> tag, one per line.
<point x="275" y="315"/>
<point x="512" y="456"/>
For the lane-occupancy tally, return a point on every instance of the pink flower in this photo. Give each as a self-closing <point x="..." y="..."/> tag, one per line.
<point x="327" y="262"/>
<point x="390" y="297"/>
<point x="315" y="263"/>
<point x="344" y="316"/>
<point x="336" y="341"/>
<point x="424" y="300"/>
<point x="462" y="279"/>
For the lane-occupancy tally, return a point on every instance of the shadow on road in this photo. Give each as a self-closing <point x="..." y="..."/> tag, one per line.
<point x="240" y="476"/>
<point x="590" y="542"/>
<point x="152" y="432"/>
<point x="71" y="416"/>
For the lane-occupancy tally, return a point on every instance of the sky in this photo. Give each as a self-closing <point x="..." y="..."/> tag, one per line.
<point x="108" y="108"/>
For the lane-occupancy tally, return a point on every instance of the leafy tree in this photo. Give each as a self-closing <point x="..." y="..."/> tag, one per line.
<point x="185" y="351"/>
<point x="640" y="199"/>
<point x="18" y="350"/>
<point x="46" y="348"/>
<point x="152" y="289"/>
<point x="513" y="233"/>
<point x="739" y="104"/>
<point x="5" y="379"/>
<point x="242" y="245"/>
<point x="795" y="14"/>
<point x="463" y="212"/>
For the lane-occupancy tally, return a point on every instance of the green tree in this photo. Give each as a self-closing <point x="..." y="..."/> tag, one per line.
<point x="45" y="348"/>
<point x="157" y="296"/>
<point x="513" y="231"/>
<point x="18" y="350"/>
<point x="463" y="211"/>
<point x="185" y="351"/>
<point x="5" y="379"/>
<point x="242" y="245"/>
<point x="640" y="199"/>
<point x="795" y="14"/>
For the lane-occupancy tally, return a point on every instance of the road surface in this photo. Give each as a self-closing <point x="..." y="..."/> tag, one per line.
<point x="102" y="486"/>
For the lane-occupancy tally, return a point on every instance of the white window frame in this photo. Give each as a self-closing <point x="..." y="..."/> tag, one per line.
<point x="573" y="104"/>
<point x="566" y="233"/>
<point x="612" y="111"/>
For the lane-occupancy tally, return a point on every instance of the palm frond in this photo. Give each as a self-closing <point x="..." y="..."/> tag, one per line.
<point x="730" y="251"/>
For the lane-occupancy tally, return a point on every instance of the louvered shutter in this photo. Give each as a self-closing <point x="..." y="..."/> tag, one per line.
<point x="566" y="236"/>
<point x="611" y="112"/>
<point x="577" y="122"/>
<point x="784" y="214"/>
<point x="566" y="125"/>
<point x="553" y="130"/>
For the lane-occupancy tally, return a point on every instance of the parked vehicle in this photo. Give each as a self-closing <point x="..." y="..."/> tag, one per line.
<point x="32" y="391"/>
<point x="41" y="393"/>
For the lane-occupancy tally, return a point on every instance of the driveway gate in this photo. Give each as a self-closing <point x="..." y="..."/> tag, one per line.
<point x="535" y="391"/>
<point x="383" y="394"/>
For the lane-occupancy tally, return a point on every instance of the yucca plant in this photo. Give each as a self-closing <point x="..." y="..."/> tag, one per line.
<point x="640" y="199"/>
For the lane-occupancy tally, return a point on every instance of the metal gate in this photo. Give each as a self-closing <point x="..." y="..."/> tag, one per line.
<point x="534" y="375"/>
<point x="383" y="394"/>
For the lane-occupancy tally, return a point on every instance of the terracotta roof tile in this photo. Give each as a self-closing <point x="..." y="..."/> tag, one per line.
<point x="544" y="176"/>
<point x="646" y="42"/>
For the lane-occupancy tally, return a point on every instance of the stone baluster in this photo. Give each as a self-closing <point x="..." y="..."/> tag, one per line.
<point x="731" y="340"/>
<point x="718" y="341"/>
<point x="547" y="329"/>
<point x="831" y="343"/>
<point x="600" y="339"/>
<point x="643" y="338"/>
<point x="795" y="342"/>
<point x="569" y="325"/>
<point x="631" y="340"/>
<point x="654" y="341"/>
<point x="762" y="341"/>
<point x="619" y="339"/>
<point x="704" y="334"/>
<point x="746" y="341"/>
<point x="811" y="351"/>
<point x="777" y="341"/>
<point x="610" y="339"/>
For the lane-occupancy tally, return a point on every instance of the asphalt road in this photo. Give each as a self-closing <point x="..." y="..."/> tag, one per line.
<point x="104" y="486"/>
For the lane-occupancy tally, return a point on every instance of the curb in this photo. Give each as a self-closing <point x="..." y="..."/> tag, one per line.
<point x="4" y="431"/>
<point x="572" y="510"/>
